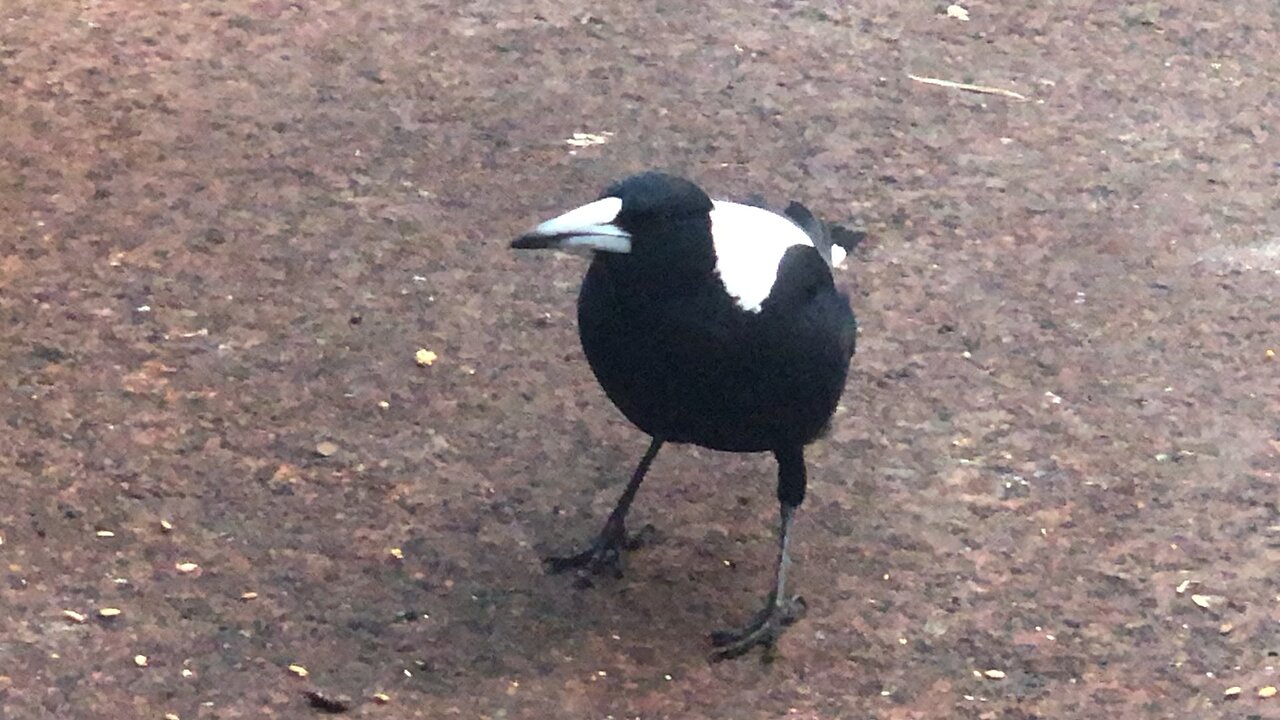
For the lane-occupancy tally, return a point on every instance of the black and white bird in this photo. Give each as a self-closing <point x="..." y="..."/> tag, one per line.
<point x="713" y="323"/>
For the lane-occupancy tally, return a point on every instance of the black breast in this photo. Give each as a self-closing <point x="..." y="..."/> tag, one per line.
<point x="687" y="365"/>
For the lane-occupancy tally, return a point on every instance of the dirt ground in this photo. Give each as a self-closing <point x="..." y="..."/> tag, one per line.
<point x="228" y="225"/>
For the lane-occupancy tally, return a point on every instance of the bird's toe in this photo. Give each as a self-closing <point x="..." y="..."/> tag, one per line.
<point x="763" y="631"/>
<point x="606" y="556"/>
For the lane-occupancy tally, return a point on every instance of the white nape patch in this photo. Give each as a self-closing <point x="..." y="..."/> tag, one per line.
<point x="749" y="243"/>
<point x="589" y="227"/>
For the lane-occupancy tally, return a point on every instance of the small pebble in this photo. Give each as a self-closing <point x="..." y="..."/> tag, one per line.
<point x="1233" y="691"/>
<point x="140" y="660"/>
<point x="396" y="553"/>
<point x="425" y="357"/>
<point x="326" y="448"/>
<point x="1266" y="692"/>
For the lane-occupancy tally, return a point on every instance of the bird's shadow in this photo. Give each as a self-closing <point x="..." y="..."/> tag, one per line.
<point x="458" y="615"/>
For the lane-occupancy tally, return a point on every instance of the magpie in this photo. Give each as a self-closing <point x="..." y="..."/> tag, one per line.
<point x="713" y="323"/>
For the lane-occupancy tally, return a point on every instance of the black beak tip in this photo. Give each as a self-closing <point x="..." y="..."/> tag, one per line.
<point x="530" y="241"/>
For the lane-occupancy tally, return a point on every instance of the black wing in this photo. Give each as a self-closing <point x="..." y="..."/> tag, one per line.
<point x="824" y="235"/>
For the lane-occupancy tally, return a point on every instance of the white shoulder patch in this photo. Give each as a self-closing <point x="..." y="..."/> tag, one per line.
<point x="749" y="243"/>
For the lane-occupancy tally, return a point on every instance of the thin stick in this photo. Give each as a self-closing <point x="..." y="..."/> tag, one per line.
<point x="985" y="90"/>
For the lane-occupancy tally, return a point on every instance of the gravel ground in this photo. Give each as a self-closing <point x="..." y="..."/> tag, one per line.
<point x="230" y="224"/>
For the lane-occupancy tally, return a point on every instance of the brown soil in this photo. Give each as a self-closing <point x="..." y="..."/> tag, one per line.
<point x="228" y="225"/>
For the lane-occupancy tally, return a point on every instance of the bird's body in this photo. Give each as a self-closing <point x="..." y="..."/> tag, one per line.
<point x="685" y="362"/>
<point x="711" y="323"/>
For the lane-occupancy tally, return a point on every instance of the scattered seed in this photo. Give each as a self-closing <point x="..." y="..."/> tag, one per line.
<point x="1225" y="628"/>
<point x="995" y="674"/>
<point x="140" y="660"/>
<point x="1271" y="354"/>
<point x="1233" y="691"/>
<point x="109" y="612"/>
<point x="327" y="703"/>
<point x="1207" y="601"/>
<point x="73" y="616"/>
<point x="384" y="404"/>
<point x="1266" y="692"/>
<point x="171" y="716"/>
<point x="298" y="670"/>
<point x="957" y="12"/>
<point x="396" y="553"/>
<point x="1182" y="586"/>
<point x="187" y="672"/>
<point x="251" y="595"/>
<point x="186" y="567"/>
<point x="381" y="698"/>
<point x="166" y="526"/>
<point x="105" y="534"/>
<point x="425" y="357"/>
<point x="326" y="448"/>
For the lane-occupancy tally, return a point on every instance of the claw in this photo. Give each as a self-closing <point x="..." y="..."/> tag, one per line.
<point x="763" y="630"/>
<point x="606" y="555"/>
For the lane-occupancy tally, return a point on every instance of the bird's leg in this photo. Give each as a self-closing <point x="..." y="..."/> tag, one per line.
<point x="607" y="552"/>
<point x="779" y="610"/>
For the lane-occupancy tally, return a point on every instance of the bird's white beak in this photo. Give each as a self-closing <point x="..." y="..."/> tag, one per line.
<point x="590" y="227"/>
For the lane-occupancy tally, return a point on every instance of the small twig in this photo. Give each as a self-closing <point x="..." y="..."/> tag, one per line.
<point x="985" y="90"/>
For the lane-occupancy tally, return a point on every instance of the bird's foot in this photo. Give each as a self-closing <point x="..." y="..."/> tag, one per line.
<point x="763" y="630"/>
<point x="606" y="555"/>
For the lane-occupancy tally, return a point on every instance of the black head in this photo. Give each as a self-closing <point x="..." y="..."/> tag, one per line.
<point x="653" y="200"/>
<point x="651" y="219"/>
